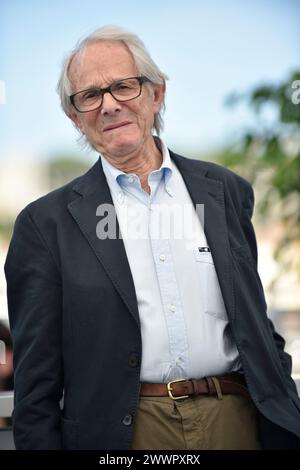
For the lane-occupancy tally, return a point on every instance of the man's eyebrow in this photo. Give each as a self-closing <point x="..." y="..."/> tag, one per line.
<point x="90" y="86"/>
<point x="94" y="85"/>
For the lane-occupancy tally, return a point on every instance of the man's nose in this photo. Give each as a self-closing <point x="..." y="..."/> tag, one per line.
<point x="109" y="104"/>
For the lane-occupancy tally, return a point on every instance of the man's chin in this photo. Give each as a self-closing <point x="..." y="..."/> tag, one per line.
<point x="121" y="148"/>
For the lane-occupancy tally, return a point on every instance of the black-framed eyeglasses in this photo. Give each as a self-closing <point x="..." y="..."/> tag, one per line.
<point x="122" y="90"/>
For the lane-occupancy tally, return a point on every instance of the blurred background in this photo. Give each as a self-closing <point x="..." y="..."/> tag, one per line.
<point x="232" y="98"/>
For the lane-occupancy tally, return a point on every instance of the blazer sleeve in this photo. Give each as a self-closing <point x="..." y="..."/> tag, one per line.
<point x="34" y="307"/>
<point x="285" y="358"/>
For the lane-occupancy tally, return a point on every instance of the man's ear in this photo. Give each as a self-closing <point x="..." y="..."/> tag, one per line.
<point x="159" y="94"/>
<point x="74" y="117"/>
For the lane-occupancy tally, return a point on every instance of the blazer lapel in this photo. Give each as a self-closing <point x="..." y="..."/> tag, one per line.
<point x="94" y="191"/>
<point x="210" y="192"/>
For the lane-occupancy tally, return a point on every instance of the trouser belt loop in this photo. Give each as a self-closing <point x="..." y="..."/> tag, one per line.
<point x="210" y="385"/>
<point x="195" y="386"/>
<point x="217" y="387"/>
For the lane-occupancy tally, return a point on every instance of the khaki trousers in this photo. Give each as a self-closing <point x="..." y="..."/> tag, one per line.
<point x="198" y="423"/>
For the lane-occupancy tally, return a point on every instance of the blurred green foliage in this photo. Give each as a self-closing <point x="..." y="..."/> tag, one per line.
<point x="6" y="228"/>
<point x="269" y="157"/>
<point x="60" y="169"/>
<point x="64" y="168"/>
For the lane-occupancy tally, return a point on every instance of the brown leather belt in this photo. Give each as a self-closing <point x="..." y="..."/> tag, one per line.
<point x="233" y="383"/>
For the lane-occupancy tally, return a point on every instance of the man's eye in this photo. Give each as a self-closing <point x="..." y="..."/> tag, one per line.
<point x="122" y="86"/>
<point x="91" y="94"/>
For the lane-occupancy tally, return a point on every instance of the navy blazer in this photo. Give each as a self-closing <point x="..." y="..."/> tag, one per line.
<point x="75" y="323"/>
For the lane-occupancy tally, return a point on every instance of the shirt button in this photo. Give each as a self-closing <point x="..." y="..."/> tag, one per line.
<point x="130" y="179"/>
<point x="178" y="361"/>
<point x="172" y="308"/>
<point x="162" y="257"/>
<point x="127" y="420"/>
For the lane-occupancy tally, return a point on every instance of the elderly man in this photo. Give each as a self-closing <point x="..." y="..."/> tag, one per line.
<point x="155" y="341"/>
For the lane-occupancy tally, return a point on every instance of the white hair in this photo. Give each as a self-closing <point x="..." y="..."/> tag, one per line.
<point x="143" y="61"/>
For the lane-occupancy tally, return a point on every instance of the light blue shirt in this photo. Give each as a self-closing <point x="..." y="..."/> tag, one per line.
<point x="184" y="325"/>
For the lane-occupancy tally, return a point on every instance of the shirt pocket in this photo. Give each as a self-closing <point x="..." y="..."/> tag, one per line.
<point x="210" y="288"/>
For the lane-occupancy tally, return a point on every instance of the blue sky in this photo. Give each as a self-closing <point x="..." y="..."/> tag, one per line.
<point x="207" y="48"/>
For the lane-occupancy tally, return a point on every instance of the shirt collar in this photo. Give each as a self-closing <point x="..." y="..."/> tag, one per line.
<point x="114" y="178"/>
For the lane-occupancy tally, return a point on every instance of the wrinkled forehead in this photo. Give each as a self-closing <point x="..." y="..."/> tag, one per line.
<point x="99" y="64"/>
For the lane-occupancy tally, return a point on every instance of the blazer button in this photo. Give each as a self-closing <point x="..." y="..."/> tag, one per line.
<point x="127" y="420"/>
<point x="133" y="360"/>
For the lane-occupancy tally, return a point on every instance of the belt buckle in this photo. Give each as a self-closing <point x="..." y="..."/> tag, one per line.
<point x="170" y="389"/>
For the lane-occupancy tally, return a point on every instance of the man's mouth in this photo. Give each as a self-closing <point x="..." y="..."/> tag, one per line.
<point x="116" y="126"/>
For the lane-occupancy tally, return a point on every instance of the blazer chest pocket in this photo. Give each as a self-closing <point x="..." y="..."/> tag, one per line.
<point x="213" y="302"/>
